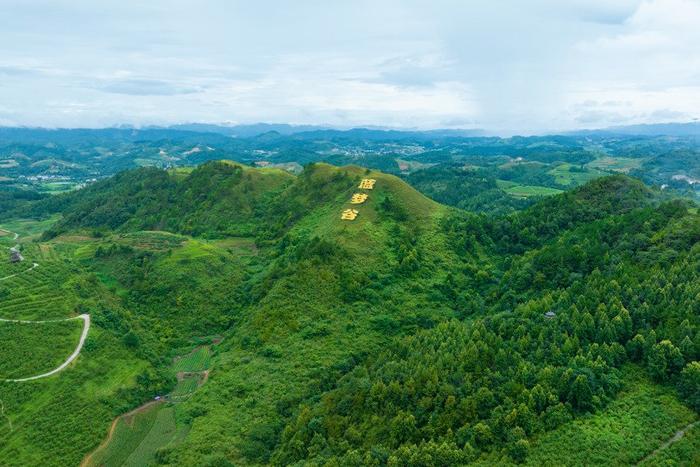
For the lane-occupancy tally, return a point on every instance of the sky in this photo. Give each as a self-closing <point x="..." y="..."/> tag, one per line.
<point x="519" y="66"/>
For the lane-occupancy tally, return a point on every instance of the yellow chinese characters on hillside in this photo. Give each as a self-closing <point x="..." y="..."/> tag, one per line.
<point x="358" y="198"/>
<point x="367" y="183"/>
<point x="349" y="214"/>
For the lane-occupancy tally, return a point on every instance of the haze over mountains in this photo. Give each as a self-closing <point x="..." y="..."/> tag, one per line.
<point x="255" y="129"/>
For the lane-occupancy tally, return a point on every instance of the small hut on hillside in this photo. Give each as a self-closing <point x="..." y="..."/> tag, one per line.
<point x="15" y="255"/>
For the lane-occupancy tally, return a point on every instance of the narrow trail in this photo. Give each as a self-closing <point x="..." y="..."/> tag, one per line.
<point x="34" y="265"/>
<point x="2" y="414"/>
<point x="676" y="437"/>
<point x="86" y="461"/>
<point x="81" y="342"/>
<point x="73" y="356"/>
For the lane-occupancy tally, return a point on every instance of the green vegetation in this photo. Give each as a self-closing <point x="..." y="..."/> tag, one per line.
<point x="16" y="199"/>
<point x="683" y="451"/>
<point x="197" y="360"/>
<point x="38" y="294"/>
<point x="217" y="199"/>
<point x="416" y="334"/>
<point x="185" y="387"/>
<point x="137" y="437"/>
<point x="29" y="227"/>
<point x="30" y="349"/>
<point x="105" y="380"/>
<point x="574" y="175"/>
<point x="526" y="191"/>
<point x="141" y="436"/>
<point x="642" y="418"/>
<point x="617" y="164"/>
<point x="465" y="188"/>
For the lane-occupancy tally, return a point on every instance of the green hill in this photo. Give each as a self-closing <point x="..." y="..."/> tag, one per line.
<point x="413" y="334"/>
<point x="215" y="199"/>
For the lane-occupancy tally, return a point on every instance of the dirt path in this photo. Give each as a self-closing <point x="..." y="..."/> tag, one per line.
<point x="81" y="342"/>
<point x="676" y="437"/>
<point x="73" y="356"/>
<point x="86" y="461"/>
<point x="34" y="265"/>
<point x="2" y="414"/>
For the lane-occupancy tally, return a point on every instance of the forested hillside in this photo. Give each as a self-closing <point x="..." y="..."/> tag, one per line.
<point x="351" y="320"/>
<point x="463" y="165"/>
<point x="215" y="199"/>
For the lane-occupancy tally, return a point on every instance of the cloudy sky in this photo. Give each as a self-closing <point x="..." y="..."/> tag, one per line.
<point x="506" y="66"/>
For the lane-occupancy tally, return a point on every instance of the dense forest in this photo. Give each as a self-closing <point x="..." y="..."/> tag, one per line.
<point x="418" y="333"/>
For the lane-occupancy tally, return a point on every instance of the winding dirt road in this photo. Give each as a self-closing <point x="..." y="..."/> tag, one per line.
<point x="73" y="356"/>
<point x="81" y="342"/>
<point x="34" y="265"/>
<point x="88" y="459"/>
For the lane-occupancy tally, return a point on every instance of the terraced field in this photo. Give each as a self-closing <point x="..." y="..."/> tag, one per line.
<point x="36" y="294"/>
<point x="137" y="437"/>
<point x="35" y="335"/>
<point x="198" y="360"/>
<point x="185" y="388"/>
<point x="617" y="164"/>
<point x="525" y="191"/>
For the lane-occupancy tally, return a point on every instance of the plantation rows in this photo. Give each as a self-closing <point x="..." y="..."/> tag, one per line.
<point x="27" y="350"/>
<point x="185" y="388"/>
<point x="35" y="294"/>
<point x="195" y="361"/>
<point x="35" y="419"/>
<point x="136" y="441"/>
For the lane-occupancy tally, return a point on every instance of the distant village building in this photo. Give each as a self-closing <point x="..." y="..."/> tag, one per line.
<point x="15" y="255"/>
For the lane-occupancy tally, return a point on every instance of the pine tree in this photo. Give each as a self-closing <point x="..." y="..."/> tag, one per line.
<point x="581" y="394"/>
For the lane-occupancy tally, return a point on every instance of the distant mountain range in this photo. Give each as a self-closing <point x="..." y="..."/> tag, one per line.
<point x="271" y="130"/>
<point x="276" y="130"/>
<point x="651" y="129"/>
<point x="320" y="131"/>
<point x="247" y="131"/>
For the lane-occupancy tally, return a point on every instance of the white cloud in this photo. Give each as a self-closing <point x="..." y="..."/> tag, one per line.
<point x="652" y="63"/>
<point x="507" y="66"/>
